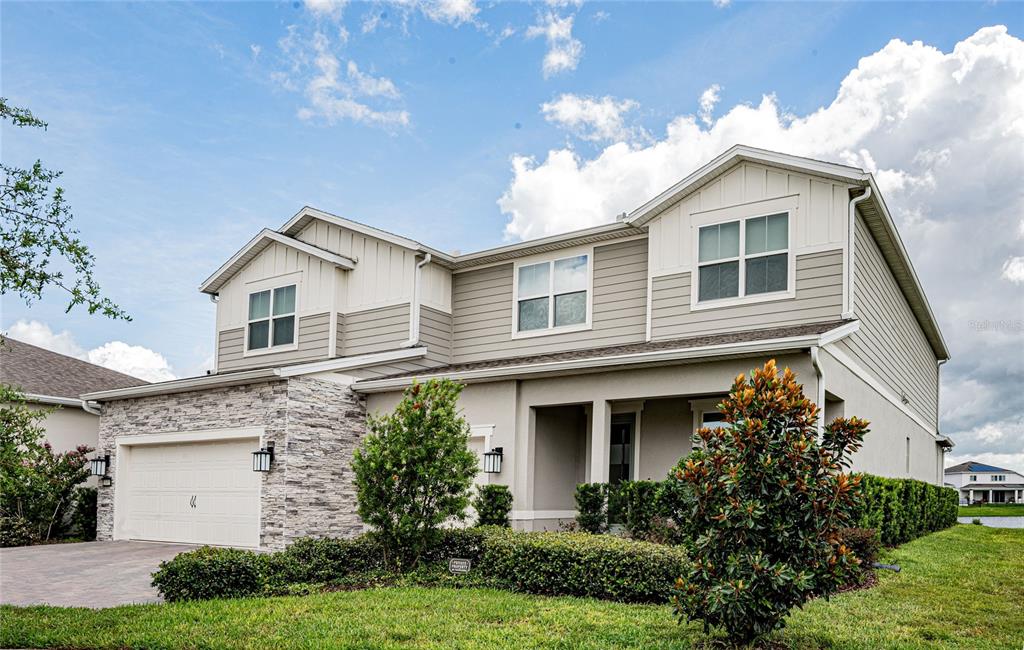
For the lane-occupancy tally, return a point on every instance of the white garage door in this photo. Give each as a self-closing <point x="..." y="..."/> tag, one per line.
<point x="196" y="492"/>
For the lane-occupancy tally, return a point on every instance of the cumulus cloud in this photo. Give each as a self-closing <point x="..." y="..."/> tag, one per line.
<point x="326" y="8"/>
<point x="452" y="12"/>
<point x="708" y="99"/>
<point x="590" y="118"/>
<point x="335" y="98"/>
<point x="134" y="360"/>
<point x="943" y="132"/>
<point x="564" y="50"/>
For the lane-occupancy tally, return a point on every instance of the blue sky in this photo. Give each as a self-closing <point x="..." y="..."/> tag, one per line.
<point x="182" y="129"/>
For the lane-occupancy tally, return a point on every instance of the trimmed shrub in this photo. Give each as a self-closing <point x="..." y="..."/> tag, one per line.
<point x="83" y="513"/>
<point x="642" y="503"/>
<point x="311" y="560"/>
<point x="904" y="509"/>
<point x="492" y="503"/>
<point x="582" y="564"/>
<point x="209" y="572"/>
<point x="590" y="507"/>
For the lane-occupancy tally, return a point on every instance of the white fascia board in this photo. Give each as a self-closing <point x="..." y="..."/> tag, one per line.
<point x="838" y="333"/>
<point x="544" y="241"/>
<point x="734" y="154"/>
<point x="894" y="234"/>
<point x="349" y="363"/>
<point x="183" y="385"/>
<point x="214" y="282"/>
<point x="364" y="229"/>
<point x="53" y="400"/>
<point x="656" y="356"/>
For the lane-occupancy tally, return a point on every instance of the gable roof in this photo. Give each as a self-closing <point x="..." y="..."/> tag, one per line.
<point x="257" y="245"/>
<point x="975" y="466"/>
<point x="39" y="372"/>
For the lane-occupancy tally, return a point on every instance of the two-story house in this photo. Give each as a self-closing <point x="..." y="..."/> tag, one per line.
<point x="587" y="356"/>
<point x="981" y="483"/>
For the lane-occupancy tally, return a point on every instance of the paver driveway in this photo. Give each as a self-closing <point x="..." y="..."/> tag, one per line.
<point x="90" y="574"/>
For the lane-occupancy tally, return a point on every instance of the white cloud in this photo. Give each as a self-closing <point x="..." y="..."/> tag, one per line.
<point x="943" y="133"/>
<point x="708" y="99"/>
<point x="334" y="98"/>
<point x="564" y="51"/>
<point x="721" y="4"/>
<point x="326" y="8"/>
<point x="590" y="118"/>
<point x="1013" y="270"/>
<point x="133" y="360"/>
<point x="452" y="12"/>
<point x="255" y="49"/>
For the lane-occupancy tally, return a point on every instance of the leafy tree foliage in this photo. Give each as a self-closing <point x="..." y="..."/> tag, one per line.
<point x="37" y="486"/>
<point x="38" y="243"/>
<point x="492" y="503"/>
<point x="414" y="470"/>
<point x="762" y="503"/>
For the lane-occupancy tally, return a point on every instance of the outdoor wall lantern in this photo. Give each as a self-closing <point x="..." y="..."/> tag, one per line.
<point x="492" y="461"/>
<point x="262" y="459"/>
<point x="99" y="465"/>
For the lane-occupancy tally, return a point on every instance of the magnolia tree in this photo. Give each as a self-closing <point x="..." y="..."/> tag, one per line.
<point x="761" y="502"/>
<point x="414" y="470"/>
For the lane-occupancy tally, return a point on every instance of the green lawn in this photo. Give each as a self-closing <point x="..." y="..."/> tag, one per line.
<point x="960" y="588"/>
<point x="993" y="510"/>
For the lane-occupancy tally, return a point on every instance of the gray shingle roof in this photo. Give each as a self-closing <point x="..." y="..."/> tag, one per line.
<point x="974" y="466"/>
<point x="633" y="348"/>
<point x="39" y="371"/>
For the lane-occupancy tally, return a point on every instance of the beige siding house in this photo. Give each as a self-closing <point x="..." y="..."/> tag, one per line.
<point x="588" y="356"/>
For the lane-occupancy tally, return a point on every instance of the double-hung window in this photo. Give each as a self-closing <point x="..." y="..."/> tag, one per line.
<point x="552" y="294"/>
<point x="746" y="257"/>
<point x="271" y="318"/>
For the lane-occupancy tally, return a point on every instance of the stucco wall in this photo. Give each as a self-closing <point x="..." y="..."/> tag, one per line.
<point x="666" y="427"/>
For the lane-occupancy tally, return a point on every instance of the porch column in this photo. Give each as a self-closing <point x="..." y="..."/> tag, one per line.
<point x="990" y="496"/>
<point x="970" y="497"/>
<point x="600" y="440"/>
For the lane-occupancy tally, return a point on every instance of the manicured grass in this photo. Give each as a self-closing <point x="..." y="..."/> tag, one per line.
<point x="960" y="588"/>
<point x="993" y="510"/>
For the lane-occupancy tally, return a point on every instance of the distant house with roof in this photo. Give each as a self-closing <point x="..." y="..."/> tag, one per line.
<point x="981" y="483"/>
<point x="49" y="379"/>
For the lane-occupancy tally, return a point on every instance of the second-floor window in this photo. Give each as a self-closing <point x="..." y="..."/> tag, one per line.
<point x="271" y="318"/>
<point x="999" y="477"/>
<point x="746" y="257"/>
<point x="552" y="294"/>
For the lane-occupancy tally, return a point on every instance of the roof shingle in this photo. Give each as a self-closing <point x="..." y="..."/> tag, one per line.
<point x="39" y="371"/>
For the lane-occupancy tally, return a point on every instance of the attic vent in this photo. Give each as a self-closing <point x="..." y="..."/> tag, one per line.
<point x="621" y="216"/>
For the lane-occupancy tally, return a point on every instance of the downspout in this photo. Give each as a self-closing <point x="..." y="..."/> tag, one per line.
<point x="215" y="299"/>
<point x="88" y="408"/>
<point x="816" y="362"/>
<point x="414" y="307"/>
<point x="850" y="238"/>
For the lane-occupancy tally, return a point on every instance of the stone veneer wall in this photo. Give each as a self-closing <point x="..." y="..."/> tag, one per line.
<point x="315" y="426"/>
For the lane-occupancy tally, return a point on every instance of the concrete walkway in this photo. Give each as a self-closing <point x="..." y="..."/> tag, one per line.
<point x="90" y="574"/>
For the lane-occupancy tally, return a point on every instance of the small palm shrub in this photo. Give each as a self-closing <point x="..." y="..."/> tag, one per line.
<point x="763" y="504"/>
<point x="414" y="470"/>
<point x="492" y="503"/>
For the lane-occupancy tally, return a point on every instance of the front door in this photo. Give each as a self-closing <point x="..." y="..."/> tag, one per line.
<point x="623" y="430"/>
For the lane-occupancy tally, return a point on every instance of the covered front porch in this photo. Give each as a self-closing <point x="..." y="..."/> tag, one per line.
<point x="1009" y="493"/>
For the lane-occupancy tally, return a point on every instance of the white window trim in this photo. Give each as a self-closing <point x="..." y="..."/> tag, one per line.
<point x="698" y="305"/>
<point x="485" y="431"/>
<point x="270" y="285"/>
<point x="701" y="406"/>
<point x="551" y="329"/>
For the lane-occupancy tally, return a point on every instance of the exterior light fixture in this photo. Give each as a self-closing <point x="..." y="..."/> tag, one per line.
<point x="106" y="481"/>
<point x="99" y="465"/>
<point x="262" y="459"/>
<point x="492" y="461"/>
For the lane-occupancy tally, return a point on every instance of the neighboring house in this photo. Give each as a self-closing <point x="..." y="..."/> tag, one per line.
<point x="981" y="483"/>
<point x="52" y="380"/>
<point x="587" y="356"/>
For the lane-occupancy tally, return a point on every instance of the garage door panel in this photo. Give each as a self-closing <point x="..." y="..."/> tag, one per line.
<point x="202" y="493"/>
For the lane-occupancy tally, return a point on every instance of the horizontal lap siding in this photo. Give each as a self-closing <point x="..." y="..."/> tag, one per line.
<point x="376" y="330"/>
<point x="889" y="344"/>
<point x="483" y="312"/>
<point x="819" y="297"/>
<point x="436" y="334"/>
<point x="314" y="336"/>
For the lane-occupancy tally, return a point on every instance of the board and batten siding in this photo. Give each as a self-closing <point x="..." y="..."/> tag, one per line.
<point x="820" y="218"/>
<point x="376" y="330"/>
<point x="314" y="335"/>
<point x="819" y="298"/>
<point x="890" y="344"/>
<point x="383" y="274"/>
<point x="483" y="310"/>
